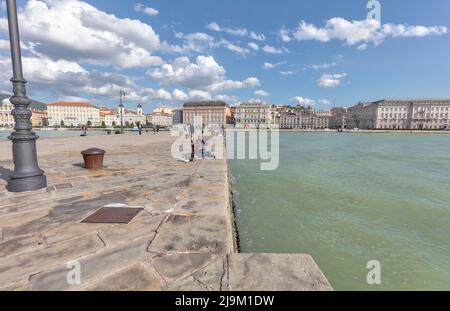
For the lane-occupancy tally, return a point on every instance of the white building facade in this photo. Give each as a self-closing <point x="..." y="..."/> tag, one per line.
<point x="73" y="114"/>
<point x="414" y="114"/>
<point x="252" y="115"/>
<point x="6" y="118"/>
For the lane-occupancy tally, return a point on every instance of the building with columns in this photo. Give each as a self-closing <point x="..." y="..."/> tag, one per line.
<point x="411" y="114"/>
<point x="306" y="119"/>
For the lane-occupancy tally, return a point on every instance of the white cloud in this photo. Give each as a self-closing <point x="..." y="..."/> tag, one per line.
<point x="199" y="95"/>
<point x="287" y="73"/>
<point x="227" y="98"/>
<point x="322" y="66"/>
<point x="324" y="102"/>
<point x="138" y="7"/>
<point x="262" y="93"/>
<point x="179" y="95"/>
<point x="331" y="80"/>
<point x="65" y="78"/>
<point x="302" y="101"/>
<point x="272" y="50"/>
<point x="284" y="36"/>
<point x="197" y="42"/>
<point x="4" y="45"/>
<point x="236" y="49"/>
<point x="254" y="46"/>
<point x="205" y="74"/>
<point x="241" y="32"/>
<point x="361" y="32"/>
<point x="77" y="31"/>
<point x="268" y="65"/>
<point x="257" y="37"/>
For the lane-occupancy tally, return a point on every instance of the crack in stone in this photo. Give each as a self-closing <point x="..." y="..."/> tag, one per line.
<point x="156" y="233"/>
<point x="202" y="283"/>
<point x="100" y="238"/>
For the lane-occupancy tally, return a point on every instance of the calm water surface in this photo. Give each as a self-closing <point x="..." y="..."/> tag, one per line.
<point x="347" y="199"/>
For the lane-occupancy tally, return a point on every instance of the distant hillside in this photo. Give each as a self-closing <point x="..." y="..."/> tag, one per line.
<point x="34" y="103"/>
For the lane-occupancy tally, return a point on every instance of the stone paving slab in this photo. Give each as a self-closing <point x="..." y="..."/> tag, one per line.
<point x="275" y="272"/>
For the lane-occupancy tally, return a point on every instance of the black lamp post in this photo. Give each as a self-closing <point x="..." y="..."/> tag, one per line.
<point x="121" y="109"/>
<point x="27" y="175"/>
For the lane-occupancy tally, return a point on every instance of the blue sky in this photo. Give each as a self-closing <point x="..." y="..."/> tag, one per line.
<point x="165" y="52"/>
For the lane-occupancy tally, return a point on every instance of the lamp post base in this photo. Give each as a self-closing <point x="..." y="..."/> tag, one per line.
<point x="27" y="184"/>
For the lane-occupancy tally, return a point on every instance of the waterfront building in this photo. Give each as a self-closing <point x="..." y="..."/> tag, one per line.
<point x="38" y="110"/>
<point x="162" y="117"/>
<point x="39" y="117"/>
<point x="6" y="118"/>
<point x="339" y="118"/>
<point x="307" y="119"/>
<point x="211" y="112"/>
<point x="414" y="114"/>
<point x="131" y="117"/>
<point x="253" y="115"/>
<point x="177" y="117"/>
<point x="73" y="114"/>
<point x="108" y="117"/>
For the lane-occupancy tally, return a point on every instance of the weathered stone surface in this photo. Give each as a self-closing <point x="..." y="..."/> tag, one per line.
<point x="93" y="267"/>
<point x="202" y="206"/>
<point x="17" y="219"/>
<point x="188" y="284"/>
<point x="20" y="245"/>
<point x="23" y="265"/>
<point x="213" y="276"/>
<point x="283" y="272"/>
<point x="144" y="225"/>
<point x="135" y="278"/>
<point x="196" y="234"/>
<point x="176" y="266"/>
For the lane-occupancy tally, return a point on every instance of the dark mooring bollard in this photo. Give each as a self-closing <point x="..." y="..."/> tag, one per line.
<point x="93" y="158"/>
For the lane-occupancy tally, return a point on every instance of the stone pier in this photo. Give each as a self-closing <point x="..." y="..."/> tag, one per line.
<point x="182" y="240"/>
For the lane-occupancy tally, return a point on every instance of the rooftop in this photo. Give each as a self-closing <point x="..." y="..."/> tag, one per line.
<point x="71" y="104"/>
<point x="206" y="104"/>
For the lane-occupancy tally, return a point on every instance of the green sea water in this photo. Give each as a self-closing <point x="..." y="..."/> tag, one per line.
<point x="347" y="199"/>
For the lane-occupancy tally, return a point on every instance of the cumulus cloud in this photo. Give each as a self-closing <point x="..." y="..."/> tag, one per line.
<point x="241" y="32"/>
<point x="138" y="7"/>
<point x="65" y="78"/>
<point x="302" y="101"/>
<point x="262" y="93"/>
<point x="77" y="31"/>
<point x="272" y="50"/>
<point x="205" y="74"/>
<point x="357" y="32"/>
<point x="331" y="80"/>
<point x="254" y="46"/>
